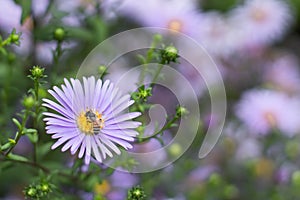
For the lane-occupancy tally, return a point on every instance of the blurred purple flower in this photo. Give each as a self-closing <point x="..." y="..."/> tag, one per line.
<point x="89" y="118"/>
<point x="283" y="74"/>
<point x="10" y="15"/>
<point x="217" y="34"/>
<point x="10" y="18"/>
<point x="176" y="15"/>
<point x="263" y="110"/>
<point x="283" y="174"/>
<point x="261" y="22"/>
<point x="39" y="7"/>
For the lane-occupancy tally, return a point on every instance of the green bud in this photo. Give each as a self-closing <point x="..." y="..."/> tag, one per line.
<point x="175" y="149"/>
<point x="59" y="34"/>
<point x="136" y="193"/>
<point x="45" y="187"/>
<point x="28" y="102"/>
<point x="37" y="72"/>
<point x="102" y="70"/>
<point x="144" y="93"/>
<point x="181" y="111"/>
<point x="171" y="51"/>
<point x="169" y="54"/>
<point x="31" y="192"/>
<point x="296" y="178"/>
<point x="15" y="38"/>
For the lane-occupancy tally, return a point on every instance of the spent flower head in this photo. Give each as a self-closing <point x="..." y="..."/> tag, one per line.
<point x="89" y="118"/>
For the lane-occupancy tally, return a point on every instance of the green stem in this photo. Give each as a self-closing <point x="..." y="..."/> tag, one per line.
<point x="148" y="59"/>
<point x="5" y="42"/>
<point x="19" y="133"/>
<point x="155" y="77"/>
<point x="166" y="127"/>
<point x="37" y="108"/>
<point x="57" y="55"/>
<point x="36" y="165"/>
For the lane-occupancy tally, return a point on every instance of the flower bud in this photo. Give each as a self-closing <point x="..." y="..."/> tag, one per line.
<point x="143" y="93"/>
<point x="59" y="34"/>
<point x="102" y="70"/>
<point x="169" y="54"/>
<point x="136" y="193"/>
<point x="31" y="192"/>
<point x="37" y="72"/>
<point x="28" y="102"/>
<point x="181" y="111"/>
<point x="15" y="38"/>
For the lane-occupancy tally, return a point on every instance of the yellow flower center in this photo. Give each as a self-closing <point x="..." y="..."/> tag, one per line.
<point x="175" y="25"/>
<point x="271" y="119"/>
<point x="90" y="122"/>
<point x="259" y="15"/>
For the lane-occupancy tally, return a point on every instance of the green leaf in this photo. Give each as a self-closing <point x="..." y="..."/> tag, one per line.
<point x="17" y="123"/>
<point x="6" y="146"/>
<point x="17" y="157"/>
<point x="33" y="137"/>
<point x="30" y="131"/>
<point x="79" y="33"/>
<point x="174" y="125"/>
<point x="142" y="59"/>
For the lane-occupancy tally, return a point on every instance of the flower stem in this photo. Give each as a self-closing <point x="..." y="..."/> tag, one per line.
<point x="149" y="57"/>
<point x="165" y="127"/>
<point x="19" y="132"/>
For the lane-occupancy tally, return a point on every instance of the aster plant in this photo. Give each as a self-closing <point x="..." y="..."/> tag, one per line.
<point x="89" y="119"/>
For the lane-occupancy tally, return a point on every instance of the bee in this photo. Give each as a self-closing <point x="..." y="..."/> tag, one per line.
<point x="95" y="119"/>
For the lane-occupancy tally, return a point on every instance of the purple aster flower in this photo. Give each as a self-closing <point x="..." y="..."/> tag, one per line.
<point x="90" y="118"/>
<point x="262" y="22"/>
<point x="283" y="74"/>
<point x="175" y="15"/>
<point x="263" y="110"/>
<point x="218" y="34"/>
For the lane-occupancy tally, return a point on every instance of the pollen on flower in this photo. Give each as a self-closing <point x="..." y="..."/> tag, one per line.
<point x="90" y="122"/>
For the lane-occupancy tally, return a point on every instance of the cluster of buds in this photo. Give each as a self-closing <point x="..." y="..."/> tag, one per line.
<point x="39" y="190"/>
